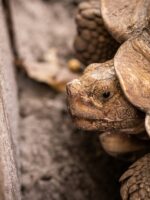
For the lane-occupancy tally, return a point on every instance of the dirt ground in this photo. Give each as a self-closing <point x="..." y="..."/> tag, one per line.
<point x="58" y="162"/>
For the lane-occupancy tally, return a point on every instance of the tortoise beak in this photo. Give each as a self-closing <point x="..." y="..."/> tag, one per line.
<point x="84" y="114"/>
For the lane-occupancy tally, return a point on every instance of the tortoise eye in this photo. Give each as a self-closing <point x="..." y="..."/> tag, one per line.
<point x="106" y="95"/>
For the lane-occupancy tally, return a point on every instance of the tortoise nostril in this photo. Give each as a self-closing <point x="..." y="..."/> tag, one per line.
<point x="73" y="87"/>
<point x="68" y="89"/>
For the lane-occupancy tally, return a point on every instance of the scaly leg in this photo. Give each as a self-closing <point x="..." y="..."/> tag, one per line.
<point x="136" y="180"/>
<point x="93" y="43"/>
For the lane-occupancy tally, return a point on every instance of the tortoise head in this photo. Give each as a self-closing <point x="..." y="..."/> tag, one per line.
<point x="96" y="102"/>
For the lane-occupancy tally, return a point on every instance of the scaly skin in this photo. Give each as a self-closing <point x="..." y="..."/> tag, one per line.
<point x="136" y="180"/>
<point x="102" y="46"/>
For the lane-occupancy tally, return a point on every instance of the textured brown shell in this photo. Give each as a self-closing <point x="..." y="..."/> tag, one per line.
<point x="132" y="65"/>
<point x="125" y="18"/>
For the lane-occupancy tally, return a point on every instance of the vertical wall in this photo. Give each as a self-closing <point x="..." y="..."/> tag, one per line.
<point x="9" y="184"/>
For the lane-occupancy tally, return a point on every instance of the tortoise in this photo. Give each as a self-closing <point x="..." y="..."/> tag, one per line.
<point x="112" y="97"/>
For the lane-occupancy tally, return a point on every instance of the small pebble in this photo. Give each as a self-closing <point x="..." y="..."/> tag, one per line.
<point x="74" y="65"/>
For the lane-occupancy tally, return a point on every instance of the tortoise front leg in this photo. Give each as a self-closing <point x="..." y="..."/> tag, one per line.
<point x="136" y="180"/>
<point x="121" y="144"/>
<point x="147" y="123"/>
<point x="93" y="43"/>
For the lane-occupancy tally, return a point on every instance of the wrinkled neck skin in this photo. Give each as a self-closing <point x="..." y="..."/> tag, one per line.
<point x="97" y="103"/>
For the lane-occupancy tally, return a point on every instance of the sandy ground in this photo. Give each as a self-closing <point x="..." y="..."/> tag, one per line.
<point x="57" y="161"/>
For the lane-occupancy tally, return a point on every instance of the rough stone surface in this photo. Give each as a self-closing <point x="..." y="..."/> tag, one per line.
<point x="9" y="184"/>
